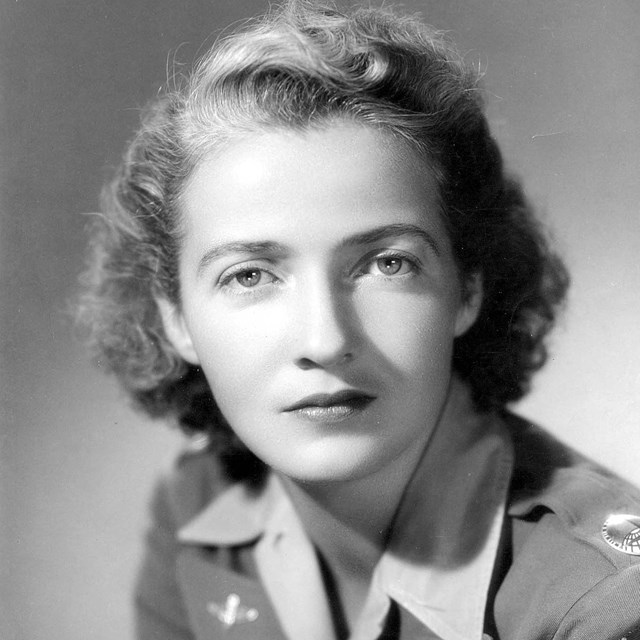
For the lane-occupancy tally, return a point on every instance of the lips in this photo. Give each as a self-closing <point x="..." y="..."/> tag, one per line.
<point x="331" y="407"/>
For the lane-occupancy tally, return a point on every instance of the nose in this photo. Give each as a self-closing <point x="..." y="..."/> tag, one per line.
<point x="327" y="333"/>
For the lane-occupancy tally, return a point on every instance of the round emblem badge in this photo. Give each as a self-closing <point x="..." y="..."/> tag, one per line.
<point x="622" y="532"/>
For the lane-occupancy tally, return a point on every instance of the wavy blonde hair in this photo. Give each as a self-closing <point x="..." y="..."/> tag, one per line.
<point x="306" y="65"/>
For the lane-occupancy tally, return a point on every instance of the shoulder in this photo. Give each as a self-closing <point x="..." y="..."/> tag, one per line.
<point x="550" y="478"/>
<point x="561" y="563"/>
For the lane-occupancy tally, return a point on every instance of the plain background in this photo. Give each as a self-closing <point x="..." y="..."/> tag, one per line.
<point x="563" y="91"/>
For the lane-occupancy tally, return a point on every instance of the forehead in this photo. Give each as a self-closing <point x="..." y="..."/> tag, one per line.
<point x="345" y="175"/>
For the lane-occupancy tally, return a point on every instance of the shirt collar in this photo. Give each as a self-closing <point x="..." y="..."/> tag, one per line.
<point x="446" y="534"/>
<point x="237" y="516"/>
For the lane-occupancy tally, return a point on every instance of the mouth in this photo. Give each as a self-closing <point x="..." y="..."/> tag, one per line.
<point x="331" y="407"/>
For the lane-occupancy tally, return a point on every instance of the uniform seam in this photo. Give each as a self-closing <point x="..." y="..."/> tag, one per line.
<point x="573" y="606"/>
<point x="579" y="600"/>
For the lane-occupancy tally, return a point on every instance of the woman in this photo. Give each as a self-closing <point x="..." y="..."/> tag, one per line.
<point x="312" y="258"/>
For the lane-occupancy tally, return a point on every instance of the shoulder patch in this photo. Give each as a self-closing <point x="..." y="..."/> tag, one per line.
<point x="622" y="532"/>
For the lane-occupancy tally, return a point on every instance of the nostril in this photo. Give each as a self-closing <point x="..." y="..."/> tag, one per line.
<point x="309" y="363"/>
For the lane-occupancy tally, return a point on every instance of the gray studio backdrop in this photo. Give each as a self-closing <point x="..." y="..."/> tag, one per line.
<point x="563" y="88"/>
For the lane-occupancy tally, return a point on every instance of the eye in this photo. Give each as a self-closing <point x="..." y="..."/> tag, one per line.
<point x="242" y="279"/>
<point x="392" y="266"/>
<point x="389" y="265"/>
<point x="249" y="278"/>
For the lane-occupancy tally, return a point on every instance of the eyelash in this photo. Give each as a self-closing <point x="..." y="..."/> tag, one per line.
<point x="413" y="264"/>
<point x="226" y="282"/>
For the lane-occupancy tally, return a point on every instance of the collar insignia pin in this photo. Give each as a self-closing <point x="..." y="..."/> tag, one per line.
<point x="622" y="532"/>
<point x="231" y="612"/>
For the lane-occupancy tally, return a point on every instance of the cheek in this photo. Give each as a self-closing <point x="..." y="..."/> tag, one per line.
<point x="238" y="352"/>
<point x="414" y="335"/>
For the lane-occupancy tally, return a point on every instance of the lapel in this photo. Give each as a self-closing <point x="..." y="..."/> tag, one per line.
<point x="288" y="591"/>
<point x="223" y="604"/>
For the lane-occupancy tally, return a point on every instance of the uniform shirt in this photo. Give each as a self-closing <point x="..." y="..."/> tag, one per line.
<point x="497" y="536"/>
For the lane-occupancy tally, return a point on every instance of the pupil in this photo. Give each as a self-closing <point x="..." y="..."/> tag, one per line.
<point x="249" y="278"/>
<point x="389" y="266"/>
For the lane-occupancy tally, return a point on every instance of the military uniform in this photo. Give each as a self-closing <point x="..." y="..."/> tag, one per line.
<point x="499" y="536"/>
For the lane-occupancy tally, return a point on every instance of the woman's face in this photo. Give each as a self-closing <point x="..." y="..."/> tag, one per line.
<point x="320" y="297"/>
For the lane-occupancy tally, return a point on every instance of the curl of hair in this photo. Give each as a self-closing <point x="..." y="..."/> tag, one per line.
<point x="306" y="65"/>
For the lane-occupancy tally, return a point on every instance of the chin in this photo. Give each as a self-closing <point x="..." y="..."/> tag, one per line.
<point x="344" y="465"/>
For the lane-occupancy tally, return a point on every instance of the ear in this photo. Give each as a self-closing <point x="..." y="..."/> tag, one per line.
<point x="472" y="295"/>
<point x="177" y="331"/>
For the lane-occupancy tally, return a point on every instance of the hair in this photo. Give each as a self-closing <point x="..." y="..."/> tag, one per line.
<point x="307" y="65"/>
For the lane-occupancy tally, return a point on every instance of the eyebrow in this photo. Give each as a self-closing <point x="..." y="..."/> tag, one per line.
<point x="275" y="248"/>
<point x="239" y="247"/>
<point x="392" y="231"/>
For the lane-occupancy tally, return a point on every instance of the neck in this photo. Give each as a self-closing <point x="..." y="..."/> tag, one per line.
<point x="349" y="524"/>
<point x="350" y="521"/>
